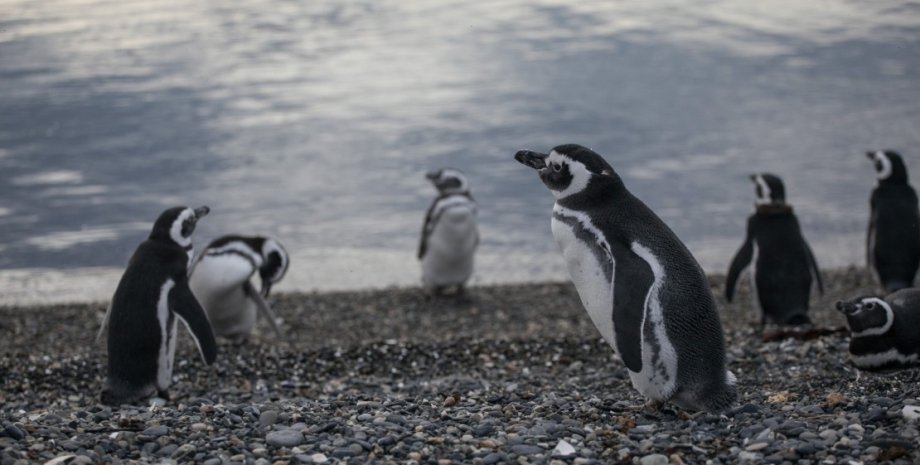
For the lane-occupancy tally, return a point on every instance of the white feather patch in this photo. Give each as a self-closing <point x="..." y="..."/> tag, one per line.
<point x="889" y="319"/>
<point x="885" y="171"/>
<point x="764" y="197"/>
<point x="876" y="360"/>
<point x="580" y="174"/>
<point x="175" y="231"/>
<point x="167" y="336"/>
<point x="655" y="381"/>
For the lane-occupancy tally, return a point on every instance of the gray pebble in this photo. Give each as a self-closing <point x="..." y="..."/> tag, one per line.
<point x="525" y="449"/>
<point x="654" y="459"/>
<point x="156" y="431"/>
<point x="491" y="458"/>
<point x="284" y="438"/>
<point x="268" y="418"/>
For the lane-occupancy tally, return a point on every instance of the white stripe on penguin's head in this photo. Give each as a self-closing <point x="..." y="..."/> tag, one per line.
<point x="882" y="165"/>
<point x="578" y="175"/>
<point x="763" y="191"/>
<point x="872" y="305"/>
<point x="272" y="246"/>
<point x="175" y="231"/>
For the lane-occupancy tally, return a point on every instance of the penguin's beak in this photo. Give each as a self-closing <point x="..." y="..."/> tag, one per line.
<point x="870" y="155"/>
<point x="266" y="287"/>
<point x="201" y="212"/>
<point x="534" y="160"/>
<point x="753" y="178"/>
<point x="433" y="175"/>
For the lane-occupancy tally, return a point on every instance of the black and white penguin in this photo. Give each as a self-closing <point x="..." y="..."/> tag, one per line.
<point x="783" y="263"/>
<point x="642" y="288"/>
<point x="893" y="242"/>
<point x="220" y="280"/>
<point x="450" y="234"/>
<point x="152" y="295"/>
<point x="884" y="333"/>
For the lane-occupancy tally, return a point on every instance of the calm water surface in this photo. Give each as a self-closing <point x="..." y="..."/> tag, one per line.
<point x="315" y="121"/>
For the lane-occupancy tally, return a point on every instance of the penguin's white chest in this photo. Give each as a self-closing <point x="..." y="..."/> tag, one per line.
<point x="217" y="282"/>
<point x="586" y="270"/>
<point x="451" y="244"/>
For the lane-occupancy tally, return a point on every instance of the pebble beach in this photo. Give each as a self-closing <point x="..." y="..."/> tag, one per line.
<point x="503" y="374"/>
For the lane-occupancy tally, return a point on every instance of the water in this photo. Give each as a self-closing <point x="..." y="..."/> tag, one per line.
<point x="315" y="121"/>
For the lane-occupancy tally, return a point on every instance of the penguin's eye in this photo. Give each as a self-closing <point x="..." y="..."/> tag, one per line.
<point x="557" y="167"/>
<point x="870" y="306"/>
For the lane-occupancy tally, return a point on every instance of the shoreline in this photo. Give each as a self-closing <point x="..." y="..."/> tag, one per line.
<point x="509" y="374"/>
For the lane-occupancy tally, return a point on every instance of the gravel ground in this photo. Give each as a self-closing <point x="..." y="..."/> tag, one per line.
<point x="507" y="374"/>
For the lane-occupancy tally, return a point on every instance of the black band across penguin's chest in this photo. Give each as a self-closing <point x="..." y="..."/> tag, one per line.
<point x="597" y="245"/>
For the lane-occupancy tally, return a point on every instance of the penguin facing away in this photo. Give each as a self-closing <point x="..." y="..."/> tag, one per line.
<point x="220" y="279"/>
<point x="783" y="264"/>
<point x="893" y="240"/>
<point x="449" y="235"/>
<point x="642" y="288"/>
<point x="152" y="295"/>
<point x="884" y="333"/>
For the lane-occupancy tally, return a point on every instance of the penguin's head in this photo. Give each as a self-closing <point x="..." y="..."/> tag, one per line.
<point x="769" y="189"/>
<point x="567" y="169"/>
<point x="448" y="181"/>
<point x="275" y="263"/>
<point x="177" y="224"/>
<point x="889" y="167"/>
<point x="867" y="315"/>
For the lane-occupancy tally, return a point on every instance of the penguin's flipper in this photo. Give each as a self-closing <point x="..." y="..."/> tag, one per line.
<point x="104" y="325"/>
<point x="427" y="227"/>
<point x="739" y="263"/>
<point x="632" y="281"/>
<point x="870" y="235"/>
<point x="184" y="304"/>
<point x="813" y="265"/>
<point x="263" y="307"/>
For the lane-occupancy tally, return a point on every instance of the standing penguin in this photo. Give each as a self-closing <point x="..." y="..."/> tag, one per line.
<point x="783" y="264"/>
<point x="220" y="281"/>
<point x="884" y="333"/>
<point x="893" y="242"/>
<point x="141" y="319"/>
<point x="449" y="235"/>
<point x="642" y="288"/>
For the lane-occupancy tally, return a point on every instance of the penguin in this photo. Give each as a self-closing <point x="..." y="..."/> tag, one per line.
<point x="220" y="280"/>
<point x="893" y="241"/>
<point x="783" y="263"/>
<point x="152" y="295"/>
<point x="884" y="333"/>
<point x="644" y="291"/>
<point x="449" y="234"/>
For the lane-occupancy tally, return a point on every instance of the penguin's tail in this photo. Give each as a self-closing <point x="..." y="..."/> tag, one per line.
<point x="722" y="396"/>
<point x="713" y="397"/>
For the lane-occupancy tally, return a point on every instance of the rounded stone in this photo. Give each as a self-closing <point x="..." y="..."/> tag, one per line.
<point x="654" y="459"/>
<point x="268" y="418"/>
<point x="284" y="438"/>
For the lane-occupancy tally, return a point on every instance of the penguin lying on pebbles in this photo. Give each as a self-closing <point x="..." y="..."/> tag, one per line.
<point x="783" y="265"/>
<point x="152" y="295"/>
<point x="884" y="333"/>
<point x="220" y="280"/>
<point x="642" y="288"/>
<point x="449" y="235"/>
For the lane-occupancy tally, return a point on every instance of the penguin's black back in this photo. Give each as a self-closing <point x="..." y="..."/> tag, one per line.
<point x="686" y="300"/>
<point x="134" y="329"/>
<point x="896" y="220"/>
<point x="783" y="271"/>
